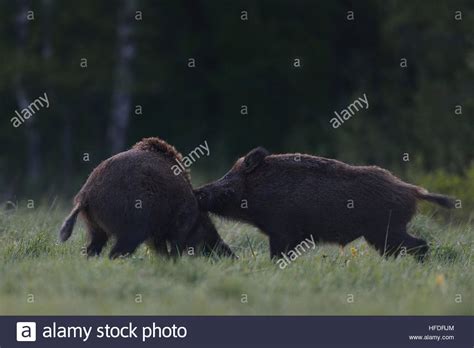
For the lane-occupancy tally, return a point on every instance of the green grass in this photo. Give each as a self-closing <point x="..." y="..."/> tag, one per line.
<point x="40" y="276"/>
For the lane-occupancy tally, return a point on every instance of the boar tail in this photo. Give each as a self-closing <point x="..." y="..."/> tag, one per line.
<point x="68" y="224"/>
<point x="441" y="200"/>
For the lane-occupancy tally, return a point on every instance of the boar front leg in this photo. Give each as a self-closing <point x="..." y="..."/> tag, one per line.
<point x="177" y="248"/>
<point x="216" y="245"/>
<point x="279" y="244"/>
<point x="158" y="243"/>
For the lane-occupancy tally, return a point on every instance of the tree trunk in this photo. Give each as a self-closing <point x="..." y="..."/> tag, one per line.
<point x="121" y="95"/>
<point x="47" y="52"/>
<point x="33" y="154"/>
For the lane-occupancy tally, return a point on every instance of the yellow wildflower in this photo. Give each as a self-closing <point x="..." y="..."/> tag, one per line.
<point x="440" y="280"/>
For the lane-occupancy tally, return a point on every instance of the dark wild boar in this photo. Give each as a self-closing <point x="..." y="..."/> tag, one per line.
<point x="135" y="197"/>
<point x="290" y="197"/>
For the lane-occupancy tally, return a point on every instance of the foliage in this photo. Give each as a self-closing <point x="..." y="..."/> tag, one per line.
<point x="241" y="63"/>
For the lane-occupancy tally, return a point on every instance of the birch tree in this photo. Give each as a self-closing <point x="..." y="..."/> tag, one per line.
<point x="121" y="95"/>
<point x="33" y="153"/>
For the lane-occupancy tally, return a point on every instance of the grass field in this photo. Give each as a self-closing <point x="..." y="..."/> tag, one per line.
<point x="40" y="276"/>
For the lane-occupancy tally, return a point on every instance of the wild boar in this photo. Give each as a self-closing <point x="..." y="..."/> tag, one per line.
<point x="290" y="197"/>
<point x="135" y="197"/>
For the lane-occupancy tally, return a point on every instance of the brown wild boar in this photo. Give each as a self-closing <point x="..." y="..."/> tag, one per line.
<point x="135" y="197"/>
<point x="290" y="197"/>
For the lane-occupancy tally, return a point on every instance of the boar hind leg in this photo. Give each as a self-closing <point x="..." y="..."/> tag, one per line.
<point x="125" y="245"/>
<point x="97" y="238"/>
<point x="415" y="246"/>
<point x="396" y="242"/>
<point x="181" y="228"/>
<point x="386" y="244"/>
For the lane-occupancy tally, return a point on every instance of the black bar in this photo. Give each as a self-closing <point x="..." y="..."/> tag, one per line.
<point x="239" y="331"/>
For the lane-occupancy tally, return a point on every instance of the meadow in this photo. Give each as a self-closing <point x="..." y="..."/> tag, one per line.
<point x="38" y="275"/>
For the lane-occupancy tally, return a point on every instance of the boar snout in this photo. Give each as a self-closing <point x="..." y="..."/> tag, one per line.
<point x="213" y="195"/>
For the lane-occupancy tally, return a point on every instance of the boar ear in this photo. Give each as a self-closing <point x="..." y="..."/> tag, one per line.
<point x="254" y="158"/>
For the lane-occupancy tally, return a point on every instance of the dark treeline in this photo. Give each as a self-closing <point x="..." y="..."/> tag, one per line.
<point x="268" y="73"/>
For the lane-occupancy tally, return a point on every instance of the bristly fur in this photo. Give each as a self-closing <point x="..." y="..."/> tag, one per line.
<point x="169" y="214"/>
<point x="155" y="144"/>
<point x="295" y="196"/>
